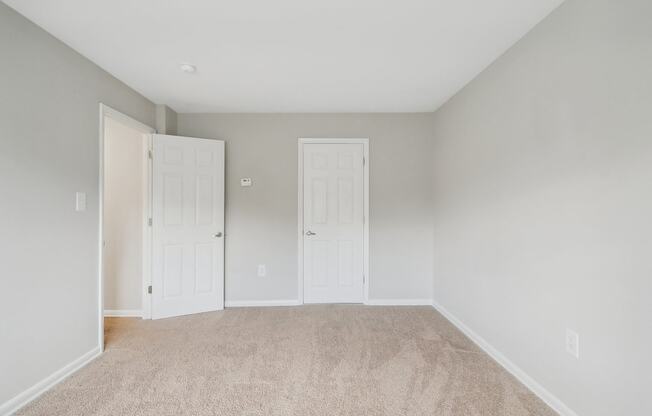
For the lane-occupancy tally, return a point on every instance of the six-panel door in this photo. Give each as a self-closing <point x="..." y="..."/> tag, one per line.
<point x="188" y="226"/>
<point x="333" y="232"/>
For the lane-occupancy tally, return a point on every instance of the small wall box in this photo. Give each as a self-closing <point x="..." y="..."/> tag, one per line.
<point x="245" y="182"/>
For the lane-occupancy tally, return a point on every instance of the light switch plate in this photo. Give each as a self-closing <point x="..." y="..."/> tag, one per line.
<point x="245" y="182"/>
<point x="80" y="201"/>
<point x="572" y="343"/>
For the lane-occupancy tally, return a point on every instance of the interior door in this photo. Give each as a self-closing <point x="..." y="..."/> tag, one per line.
<point x="188" y="225"/>
<point x="333" y="217"/>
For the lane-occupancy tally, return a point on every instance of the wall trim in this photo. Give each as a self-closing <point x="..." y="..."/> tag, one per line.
<point x="550" y="399"/>
<point x="256" y="303"/>
<point x="131" y="313"/>
<point x="22" y="399"/>
<point x="399" y="302"/>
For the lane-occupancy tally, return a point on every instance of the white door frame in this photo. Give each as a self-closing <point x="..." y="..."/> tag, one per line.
<point x="106" y="111"/>
<point x="365" y="256"/>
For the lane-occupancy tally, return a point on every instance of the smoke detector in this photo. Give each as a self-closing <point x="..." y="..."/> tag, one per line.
<point x="188" y="68"/>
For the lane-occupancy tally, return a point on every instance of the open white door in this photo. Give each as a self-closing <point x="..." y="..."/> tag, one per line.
<point x="188" y="226"/>
<point x="333" y="222"/>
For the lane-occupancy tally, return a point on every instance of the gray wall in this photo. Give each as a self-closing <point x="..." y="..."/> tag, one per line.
<point x="49" y="116"/>
<point x="261" y="221"/>
<point x="166" y="120"/>
<point x="543" y="205"/>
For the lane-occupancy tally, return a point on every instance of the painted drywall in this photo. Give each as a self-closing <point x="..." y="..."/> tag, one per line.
<point x="166" y="120"/>
<point x="543" y="193"/>
<point x="49" y="149"/>
<point x="261" y="221"/>
<point x="123" y="217"/>
<point x="292" y="55"/>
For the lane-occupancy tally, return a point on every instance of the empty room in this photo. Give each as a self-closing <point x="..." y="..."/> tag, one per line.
<point x="343" y="207"/>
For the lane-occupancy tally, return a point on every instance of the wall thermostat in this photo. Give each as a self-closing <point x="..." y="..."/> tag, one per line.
<point x="245" y="182"/>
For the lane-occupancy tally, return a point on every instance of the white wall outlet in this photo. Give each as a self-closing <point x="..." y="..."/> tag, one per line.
<point x="80" y="201"/>
<point x="262" y="270"/>
<point x="245" y="182"/>
<point x="572" y="343"/>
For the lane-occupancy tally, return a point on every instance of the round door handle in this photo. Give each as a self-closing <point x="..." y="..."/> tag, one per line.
<point x="311" y="233"/>
<point x="218" y="235"/>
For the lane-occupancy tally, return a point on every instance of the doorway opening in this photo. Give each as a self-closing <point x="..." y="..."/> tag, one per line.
<point x="125" y="236"/>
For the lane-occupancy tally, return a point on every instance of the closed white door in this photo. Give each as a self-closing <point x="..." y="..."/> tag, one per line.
<point x="333" y="227"/>
<point x="188" y="226"/>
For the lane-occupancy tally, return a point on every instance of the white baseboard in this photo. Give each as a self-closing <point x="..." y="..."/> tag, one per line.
<point x="47" y="383"/>
<point x="246" y="303"/>
<point x="125" y="313"/>
<point x="294" y="302"/>
<point x="399" y="302"/>
<point x="549" y="398"/>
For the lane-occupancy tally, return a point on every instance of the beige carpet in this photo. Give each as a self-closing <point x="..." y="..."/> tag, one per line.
<point x="308" y="360"/>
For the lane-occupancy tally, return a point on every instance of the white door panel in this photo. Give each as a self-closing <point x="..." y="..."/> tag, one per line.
<point x="188" y="226"/>
<point x="333" y="239"/>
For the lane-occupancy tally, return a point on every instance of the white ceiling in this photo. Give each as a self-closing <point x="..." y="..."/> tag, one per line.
<point x="291" y="55"/>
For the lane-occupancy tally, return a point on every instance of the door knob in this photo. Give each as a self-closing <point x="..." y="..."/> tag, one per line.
<point x="311" y="233"/>
<point x="218" y="235"/>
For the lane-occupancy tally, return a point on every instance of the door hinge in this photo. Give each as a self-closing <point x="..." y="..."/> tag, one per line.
<point x="149" y="289"/>
<point x="364" y="161"/>
<point x="149" y="222"/>
<point x="150" y="155"/>
<point x="364" y="279"/>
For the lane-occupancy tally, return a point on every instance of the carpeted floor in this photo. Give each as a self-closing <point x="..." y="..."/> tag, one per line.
<point x="307" y="360"/>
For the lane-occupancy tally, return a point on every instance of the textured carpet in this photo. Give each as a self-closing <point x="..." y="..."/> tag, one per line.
<point x="307" y="360"/>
